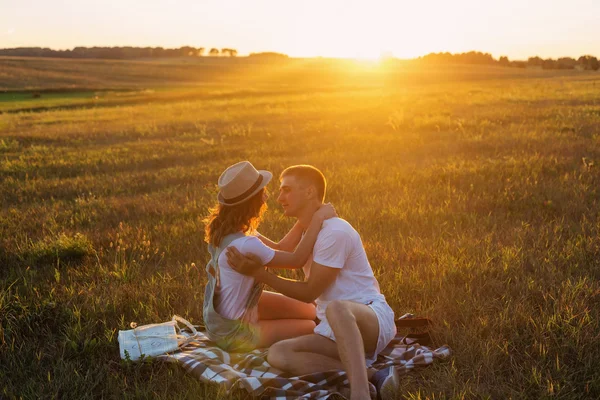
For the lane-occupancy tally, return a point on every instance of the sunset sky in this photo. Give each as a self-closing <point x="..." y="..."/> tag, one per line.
<point x="332" y="28"/>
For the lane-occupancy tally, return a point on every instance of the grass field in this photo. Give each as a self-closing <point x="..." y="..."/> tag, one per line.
<point x="475" y="189"/>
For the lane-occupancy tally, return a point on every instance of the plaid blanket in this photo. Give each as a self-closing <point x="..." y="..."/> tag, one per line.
<point x="251" y="373"/>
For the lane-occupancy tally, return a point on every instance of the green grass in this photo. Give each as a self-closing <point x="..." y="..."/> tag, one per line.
<point x="475" y="190"/>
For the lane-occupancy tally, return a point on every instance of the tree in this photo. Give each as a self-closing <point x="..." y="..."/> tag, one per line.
<point x="268" y="56"/>
<point x="201" y="51"/>
<point x="187" y="51"/>
<point x="588" y="63"/>
<point x="472" y="57"/>
<point x="214" y="52"/>
<point x="504" y="61"/>
<point x="535" y="61"/>
<point x="229" y="52"/>
<point x="549" y="64"/>
<point x="80" y="51"/>
<point x="566" y="63"/>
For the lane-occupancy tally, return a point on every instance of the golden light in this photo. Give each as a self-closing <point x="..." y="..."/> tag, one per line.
<point x="355" y="30"/>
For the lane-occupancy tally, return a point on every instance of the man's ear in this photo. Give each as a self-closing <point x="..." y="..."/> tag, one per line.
<point x="311" y="191"/>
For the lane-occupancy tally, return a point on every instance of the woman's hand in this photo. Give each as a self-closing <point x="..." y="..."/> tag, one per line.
<point x="324" y="212"/>
<point x="250" y="264"/>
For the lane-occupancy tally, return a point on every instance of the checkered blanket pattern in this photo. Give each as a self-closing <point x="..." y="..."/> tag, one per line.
<point x="250" y="372"/>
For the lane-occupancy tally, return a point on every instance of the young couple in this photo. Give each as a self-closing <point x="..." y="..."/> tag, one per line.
<point x="354" y="321"/>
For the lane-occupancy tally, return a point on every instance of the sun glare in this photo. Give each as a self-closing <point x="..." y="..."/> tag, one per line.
<point x="374" y="58"/>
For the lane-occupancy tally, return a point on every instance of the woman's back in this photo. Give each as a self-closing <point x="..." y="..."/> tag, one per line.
<point x="232" y="296"/>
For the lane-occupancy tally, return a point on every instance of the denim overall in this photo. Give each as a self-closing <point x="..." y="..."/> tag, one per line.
<point x="229" y="334"/>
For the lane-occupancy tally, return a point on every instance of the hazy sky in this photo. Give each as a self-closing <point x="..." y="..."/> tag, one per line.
<point x="517" y="28"/>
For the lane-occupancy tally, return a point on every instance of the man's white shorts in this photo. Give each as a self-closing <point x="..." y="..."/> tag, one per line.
<point x="387" y="328"/>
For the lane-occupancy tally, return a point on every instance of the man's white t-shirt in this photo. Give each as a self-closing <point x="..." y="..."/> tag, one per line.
<point x="232" y="297"/>
<point x="339" y="246"/>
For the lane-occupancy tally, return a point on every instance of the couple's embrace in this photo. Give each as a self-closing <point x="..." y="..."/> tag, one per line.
<point x="353" y="321"/>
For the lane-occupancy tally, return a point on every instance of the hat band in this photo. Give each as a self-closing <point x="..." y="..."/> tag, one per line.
<point x="246" y="193"/>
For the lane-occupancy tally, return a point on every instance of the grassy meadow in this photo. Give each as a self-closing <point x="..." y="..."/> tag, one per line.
<point x="476" y="191"/>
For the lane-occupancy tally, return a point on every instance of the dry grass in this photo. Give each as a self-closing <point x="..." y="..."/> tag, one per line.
<point x="475" y="191"/>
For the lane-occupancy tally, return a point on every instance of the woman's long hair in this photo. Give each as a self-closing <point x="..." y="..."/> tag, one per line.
<point x="223" y="220"/>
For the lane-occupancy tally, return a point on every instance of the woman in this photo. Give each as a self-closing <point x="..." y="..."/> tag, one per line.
<point x="238" y="315"/>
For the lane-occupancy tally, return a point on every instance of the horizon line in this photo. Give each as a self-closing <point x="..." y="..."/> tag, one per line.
<point x="384" y="55"/>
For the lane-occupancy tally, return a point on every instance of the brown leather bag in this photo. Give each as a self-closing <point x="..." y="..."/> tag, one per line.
<point x="418" y="329"/>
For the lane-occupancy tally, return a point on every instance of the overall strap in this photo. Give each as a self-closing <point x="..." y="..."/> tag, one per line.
<point x="226" y="241"/>
<point x="213" y="265"/>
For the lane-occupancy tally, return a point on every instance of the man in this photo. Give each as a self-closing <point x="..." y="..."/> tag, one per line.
<point x="356" y="323"/>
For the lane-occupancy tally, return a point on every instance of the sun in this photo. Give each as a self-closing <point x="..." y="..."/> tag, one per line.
<point x="375" y="57"/>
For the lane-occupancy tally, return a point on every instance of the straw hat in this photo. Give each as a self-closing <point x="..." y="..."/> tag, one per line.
<point x="241" y="181"/>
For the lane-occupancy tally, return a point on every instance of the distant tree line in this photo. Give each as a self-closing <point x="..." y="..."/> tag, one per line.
<point x="583" y="62"/>
<point x="586" y="62"/>
<point x="472" y="57"/>
<point x="118" y="52"/>
<point x="269" y="56"/>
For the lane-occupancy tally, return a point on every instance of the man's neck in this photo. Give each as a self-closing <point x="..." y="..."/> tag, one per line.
<point x="305" y="216"/>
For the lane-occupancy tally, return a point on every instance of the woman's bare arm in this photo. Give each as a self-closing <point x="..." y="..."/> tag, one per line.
<point x="296" y="259"/>
<point x="289" y="241"/>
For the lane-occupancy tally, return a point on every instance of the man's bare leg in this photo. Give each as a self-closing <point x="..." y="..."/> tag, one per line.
<point x="305" y="355"/>
<point x="356" y="329"/>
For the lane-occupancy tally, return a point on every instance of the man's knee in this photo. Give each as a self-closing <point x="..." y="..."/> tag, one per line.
<point x="339" y="310"/>
<point x="280" y="354"/>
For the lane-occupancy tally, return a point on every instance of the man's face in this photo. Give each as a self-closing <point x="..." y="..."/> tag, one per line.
<point x="292" y="196"/>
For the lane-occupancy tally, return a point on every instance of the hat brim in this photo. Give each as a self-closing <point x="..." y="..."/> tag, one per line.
<point x="267" y="176"/>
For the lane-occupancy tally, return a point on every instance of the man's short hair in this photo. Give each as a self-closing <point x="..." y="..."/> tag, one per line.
<point x="308" y="175"/>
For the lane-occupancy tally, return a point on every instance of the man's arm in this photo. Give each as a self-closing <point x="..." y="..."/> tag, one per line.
<point x="321" y="277"/>
<point x="289" y="241"/>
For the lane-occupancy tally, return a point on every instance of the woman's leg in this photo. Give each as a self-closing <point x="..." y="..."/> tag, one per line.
<point x="273" y="331"/>
<point x="273" y="306"/>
